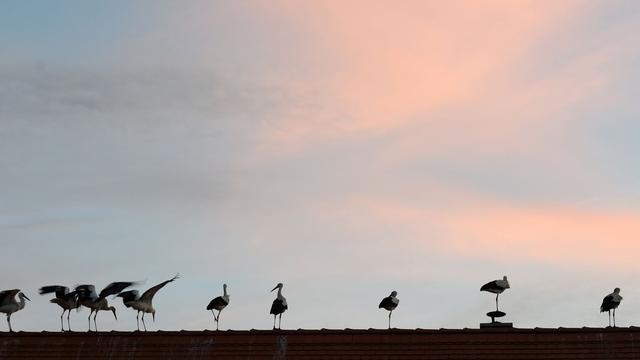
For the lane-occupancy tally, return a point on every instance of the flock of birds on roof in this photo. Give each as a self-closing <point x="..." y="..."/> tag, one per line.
<point x="86" y="295"/>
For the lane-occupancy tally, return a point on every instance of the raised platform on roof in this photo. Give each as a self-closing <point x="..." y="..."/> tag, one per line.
<point x="498" y="343"/>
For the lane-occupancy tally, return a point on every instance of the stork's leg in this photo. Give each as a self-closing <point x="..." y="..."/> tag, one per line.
<point x="215" y="318"/>
<point x="280" y="321"/>
<point x="274" y="321"/>
<point x="609" y="317"/>
<point x="218" y="320"/>
<point x="497" y="302"/>
<point x="143" y="324"/>
<point x="9" y="322"/>
<point x="89" y="318"/>
<point x="62" y="321"/>
<point x="95" y="323"/>
<point x="614" y="317"/>
<point x="69" y="321"/>
<point x="390" y="318"/>
<point x="138" y="320"/>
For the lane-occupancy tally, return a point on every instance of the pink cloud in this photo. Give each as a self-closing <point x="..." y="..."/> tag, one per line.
<point x="387" y="66"/>
<point x="501" y="232"/>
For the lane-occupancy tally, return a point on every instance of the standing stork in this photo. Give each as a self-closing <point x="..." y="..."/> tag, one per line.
<point x="390" y="303"/>
<point x="87" y="297"/>
<point x="219" y="303"/>
<point x="278" y="306"/>
<point x="65" y="299"/>
<point x="143" y="303"/>
<point x="611" y="302"/>
<point x="496" y="287"/>
<point x="9" y="305"/>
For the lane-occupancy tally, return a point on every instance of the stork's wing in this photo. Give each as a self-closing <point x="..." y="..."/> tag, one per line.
<point x="115" y="288"/>
<point x="491" y="285"/>
<point x="60" y="290"/>
<point x="148" y="295"/>
<point x="131" y="295"/>
<point x="386" y="302"/>
<point x="8" y="296"/>
<point x="71" y="295"/>
<point x="86" y="292"/>
<point x="217" y="302"/>
<point x="607" y="303"/>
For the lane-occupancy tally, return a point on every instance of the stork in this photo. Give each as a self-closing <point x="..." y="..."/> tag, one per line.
<point x="87" y="297"/>
<point x="496" y="287"/>
<point x="611" y="302"/>
<point x="390" y="303"/>
<point x="143" y="303"/>
<point x="219" y="303"/>
<point x="9" y="305"/>
<point x="278" y="306"/>
<point x="65" y="299"/>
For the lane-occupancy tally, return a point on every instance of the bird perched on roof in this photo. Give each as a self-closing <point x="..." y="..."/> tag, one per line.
<point x="143" y="304"/>
<point x="390" y="303"/>
<point x="9" y="305"/>
<point x="219" y="303"/>
<point x="611" y="302"/>
<point x="65" y="299"/>
<point x="96" y="302"/>
<point x="497" y="287"/>
<point x="278" y="306"/>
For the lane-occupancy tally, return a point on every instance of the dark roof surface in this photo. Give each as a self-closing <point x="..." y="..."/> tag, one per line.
<point x="494" y="344"/>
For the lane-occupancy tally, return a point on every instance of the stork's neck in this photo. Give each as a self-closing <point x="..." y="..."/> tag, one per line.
<point x="22" y="303"/>
<point x="280" y="293"/>
<point x="224" y="289"/>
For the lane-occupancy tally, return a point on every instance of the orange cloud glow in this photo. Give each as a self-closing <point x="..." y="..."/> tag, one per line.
<point x="562" y="236"/>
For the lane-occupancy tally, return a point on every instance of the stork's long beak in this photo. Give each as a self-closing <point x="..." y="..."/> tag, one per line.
<point x="153" y="315"/>
<point x="114" y="314"/>
<point x="274" y="288"/>
<point x="25" y="296"/>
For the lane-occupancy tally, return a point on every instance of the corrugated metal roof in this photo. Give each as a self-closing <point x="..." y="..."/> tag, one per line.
<point x="499" y="343"/>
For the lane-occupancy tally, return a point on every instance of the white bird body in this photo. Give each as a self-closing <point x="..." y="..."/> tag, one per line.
<point x="9" y="305"/>
<point x="282" y="299"/>
<point x="143" y="304"/>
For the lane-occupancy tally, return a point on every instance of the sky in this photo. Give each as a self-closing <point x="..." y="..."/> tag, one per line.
<point x="344" y="148"/>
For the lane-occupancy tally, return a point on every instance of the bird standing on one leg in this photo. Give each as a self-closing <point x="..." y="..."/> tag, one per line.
<point x="219" y="303"/>
<point x="278" y="306"/>
<point x="496" y="287"/>
<point x="144" y="303"/>
<point x="9" y="305"/>
<point x="65" y="299"/>
<point x="390" y="303"/>
<point x="611" y="302"/>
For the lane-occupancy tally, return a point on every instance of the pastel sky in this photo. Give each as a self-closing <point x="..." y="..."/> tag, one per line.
<point x="344" y="148"/>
